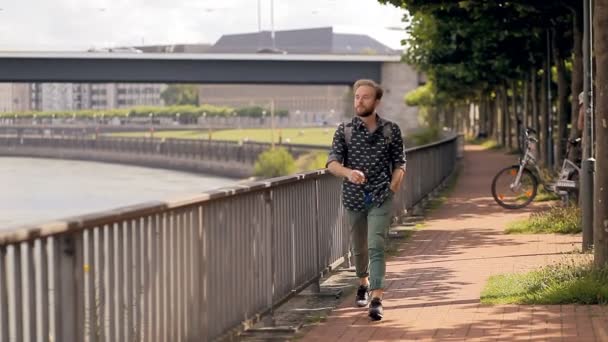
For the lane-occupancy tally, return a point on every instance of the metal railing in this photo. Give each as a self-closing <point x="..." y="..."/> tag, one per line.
<point x="189" y="269"/>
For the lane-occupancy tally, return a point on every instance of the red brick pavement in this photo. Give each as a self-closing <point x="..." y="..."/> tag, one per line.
<point x="433" y="286"/>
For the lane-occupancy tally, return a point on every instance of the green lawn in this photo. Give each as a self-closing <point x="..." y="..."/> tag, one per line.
<point x="564" y="283"/>
<point x="560" y="220"/>
<point x="311" y="136"/>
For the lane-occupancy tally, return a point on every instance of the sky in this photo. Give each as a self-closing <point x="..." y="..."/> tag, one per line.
<point x="56" y="25"/>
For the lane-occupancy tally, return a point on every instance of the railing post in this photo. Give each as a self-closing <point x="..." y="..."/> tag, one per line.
<point x="269" y="319"/>
<point x="69" y="296"/>
<point x="316" y="286"/>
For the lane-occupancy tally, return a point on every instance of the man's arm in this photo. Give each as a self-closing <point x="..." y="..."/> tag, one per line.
<point x="339" y="170"/>
<point x="397" y="178"/>
<point x="397" y="159"/>
<point x="336" y="158"/>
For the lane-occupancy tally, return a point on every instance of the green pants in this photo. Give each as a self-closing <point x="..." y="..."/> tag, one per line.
<point x="369" y="231"/>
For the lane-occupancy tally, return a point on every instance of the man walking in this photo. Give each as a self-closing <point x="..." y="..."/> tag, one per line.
<point x="368" y="153"/>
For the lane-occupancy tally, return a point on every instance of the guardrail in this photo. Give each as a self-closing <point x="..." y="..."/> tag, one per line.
<point x="188" y="269"/>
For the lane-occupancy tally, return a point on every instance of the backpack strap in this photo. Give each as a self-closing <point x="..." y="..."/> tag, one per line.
<point x="387" y="132"/>
<point x="348" y="132"/>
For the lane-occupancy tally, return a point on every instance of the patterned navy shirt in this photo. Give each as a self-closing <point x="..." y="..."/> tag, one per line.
<point x="373" y="154"/>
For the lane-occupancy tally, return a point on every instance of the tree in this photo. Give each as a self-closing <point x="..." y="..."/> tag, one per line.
<point x="180" y="94"/>
<point x="600" y="214"/>
<point x="475" y="49"/>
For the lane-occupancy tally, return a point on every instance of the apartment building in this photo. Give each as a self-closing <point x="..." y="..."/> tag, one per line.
<point x="77" y="96"/>
<point x="14" y="97"/>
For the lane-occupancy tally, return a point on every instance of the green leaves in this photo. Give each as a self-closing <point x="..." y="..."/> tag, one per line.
<point x="275" y="163"/>
<point x="470" y="46"/>
<point x="180" y="94"/>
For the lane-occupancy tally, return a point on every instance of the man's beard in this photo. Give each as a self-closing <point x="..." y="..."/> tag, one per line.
<point x="366" y="113"/>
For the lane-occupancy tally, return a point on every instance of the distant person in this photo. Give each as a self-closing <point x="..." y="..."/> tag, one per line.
<point x="368" y="153"/>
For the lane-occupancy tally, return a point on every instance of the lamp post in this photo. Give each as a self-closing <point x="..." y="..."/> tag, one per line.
<point x="208" y="126"/>
<point x="151" y="115"/>
<point x="588" y="163"/>
<point x="272" y="123"/>
<point x="96" y="127"/>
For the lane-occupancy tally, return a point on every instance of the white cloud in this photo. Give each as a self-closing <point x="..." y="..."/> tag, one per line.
<point x="78" y="25"/>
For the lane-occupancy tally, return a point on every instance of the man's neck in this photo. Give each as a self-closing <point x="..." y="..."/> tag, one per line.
<point x="370" y="121"/>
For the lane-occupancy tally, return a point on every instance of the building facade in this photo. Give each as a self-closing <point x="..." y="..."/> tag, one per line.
<point x="78" y="96"/>
<point x="15" y="97"/>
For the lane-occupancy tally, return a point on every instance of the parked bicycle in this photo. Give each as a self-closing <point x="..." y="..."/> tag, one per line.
<point x="516" y="186"/>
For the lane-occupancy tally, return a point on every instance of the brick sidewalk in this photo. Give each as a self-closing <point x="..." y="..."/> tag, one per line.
<point x="433" y="286"/>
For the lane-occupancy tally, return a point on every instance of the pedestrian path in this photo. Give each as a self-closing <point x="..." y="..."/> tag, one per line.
<point x="434" y="283"/>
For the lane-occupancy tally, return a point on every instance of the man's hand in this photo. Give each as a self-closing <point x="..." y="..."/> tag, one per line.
<point x="356" y="176"/>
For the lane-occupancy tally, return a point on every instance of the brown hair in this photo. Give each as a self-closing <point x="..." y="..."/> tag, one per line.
<point x="369" y="83"/>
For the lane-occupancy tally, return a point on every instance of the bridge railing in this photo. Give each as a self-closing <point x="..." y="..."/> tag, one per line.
<point x="185" y="269"/>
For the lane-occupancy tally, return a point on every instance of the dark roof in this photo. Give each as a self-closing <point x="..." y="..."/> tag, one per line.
<point x="304" y="41"/>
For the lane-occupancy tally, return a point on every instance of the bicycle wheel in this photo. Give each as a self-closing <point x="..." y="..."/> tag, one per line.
<point x="514" y="197"/>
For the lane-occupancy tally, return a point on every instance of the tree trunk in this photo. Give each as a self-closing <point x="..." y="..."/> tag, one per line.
<point x="600" y="212"/>
<point x="525" y="115"/>
<point x="491" y="116"/>
<point x="577" y="75"/>
<point x="534" y="102"/>
<point x="482" y="115"/>
<point x="534" y="98"/>
<point x="503" y="115"/>
<point x="562" y="98"/>
<point x="515" y="117"/>
<point x="543" y="116"/>
<point x="508" y="118"/>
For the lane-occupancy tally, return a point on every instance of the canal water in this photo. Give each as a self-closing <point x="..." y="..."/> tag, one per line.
<point x="34" y="190"/>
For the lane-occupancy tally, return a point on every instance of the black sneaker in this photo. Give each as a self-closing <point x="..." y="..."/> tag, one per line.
<point x="375" y="309"/>
<point x="362" y="296"/>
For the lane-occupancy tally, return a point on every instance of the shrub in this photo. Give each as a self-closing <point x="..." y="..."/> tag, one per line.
<point x="311" y="161"/>
<point x="423" y="137"/>
<point x="274" y="163"/>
